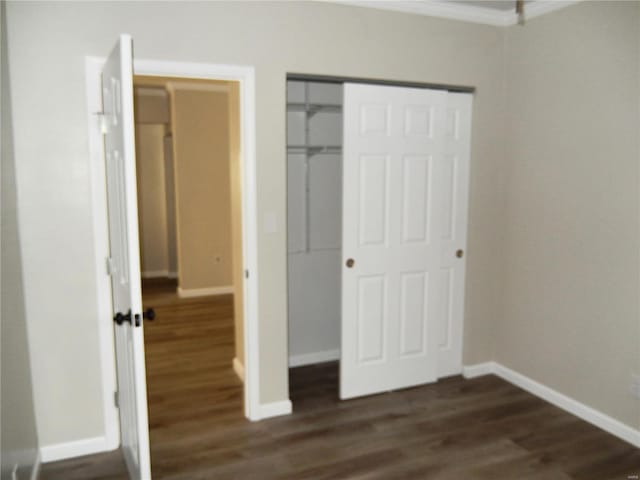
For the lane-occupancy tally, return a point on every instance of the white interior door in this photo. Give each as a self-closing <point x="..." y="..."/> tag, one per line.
<point x="455" y="187"/>
<point x="392" y="241"/>
<point x="119" y="141"/>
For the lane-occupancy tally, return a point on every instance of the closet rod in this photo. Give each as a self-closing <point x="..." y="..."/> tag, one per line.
<point x="370" y="81"/>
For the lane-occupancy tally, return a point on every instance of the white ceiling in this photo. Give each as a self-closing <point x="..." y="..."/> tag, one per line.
<point x="489" y="12"/>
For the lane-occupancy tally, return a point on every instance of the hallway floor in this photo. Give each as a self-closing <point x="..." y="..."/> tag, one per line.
<point x="455" y="429"/>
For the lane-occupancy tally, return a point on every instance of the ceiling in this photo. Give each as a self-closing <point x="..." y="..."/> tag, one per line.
<point x="489" y="12"/>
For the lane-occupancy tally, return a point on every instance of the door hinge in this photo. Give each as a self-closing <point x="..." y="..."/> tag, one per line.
<point x="110" y="266"/>
<point x="116" y="399"/>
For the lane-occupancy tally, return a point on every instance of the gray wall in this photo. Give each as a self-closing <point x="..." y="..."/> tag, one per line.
<point x="571" y="319"/>
<point x="51" y="145"/>
<point x="17" y="416"/>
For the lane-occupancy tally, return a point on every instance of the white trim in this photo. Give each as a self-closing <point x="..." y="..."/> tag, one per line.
<point x="196" y="87"/>
<point x="35" y="470"/>
<point x="245" y="75"/>
<point x="478" y="370"/>
<point x="203" y="292"/>
<point x="274" y="409"/>
<point x="238" y="368"/>
<point x="76" y="448"/>
<point x="462" y="12"/>
<point x="591" y="415"/>
<point x="172" y="275"/>
<point x="560" y="400"/>
<point x="104" y="312"/>
<point x="315" y="357"/>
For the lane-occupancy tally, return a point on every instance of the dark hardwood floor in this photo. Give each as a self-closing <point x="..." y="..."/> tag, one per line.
<point x="455" y="429"/>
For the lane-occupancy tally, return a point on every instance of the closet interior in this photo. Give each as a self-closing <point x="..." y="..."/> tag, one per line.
<point x="314" y="210"/>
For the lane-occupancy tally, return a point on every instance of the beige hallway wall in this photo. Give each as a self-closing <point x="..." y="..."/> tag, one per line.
<point x="571" y="319"/>
<point x="200" y="120"/>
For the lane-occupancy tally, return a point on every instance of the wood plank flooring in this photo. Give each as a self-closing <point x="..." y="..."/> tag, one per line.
<point x="455" y="429"/>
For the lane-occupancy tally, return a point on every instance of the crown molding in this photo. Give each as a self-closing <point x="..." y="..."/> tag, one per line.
<point x="461" y="12"/>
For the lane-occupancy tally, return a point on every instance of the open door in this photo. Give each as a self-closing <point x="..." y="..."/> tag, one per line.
<point x="393" y="143"/>
<point x="124" y="262"/>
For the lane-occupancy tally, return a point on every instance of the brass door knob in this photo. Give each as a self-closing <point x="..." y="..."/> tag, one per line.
<point x="460" y="253"/>
<point x="350" y="262"/>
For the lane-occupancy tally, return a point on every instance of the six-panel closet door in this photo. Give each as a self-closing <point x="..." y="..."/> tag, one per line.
<point x="405" y="184"/>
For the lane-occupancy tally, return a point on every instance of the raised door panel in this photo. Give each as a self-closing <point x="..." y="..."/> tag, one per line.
<point x="373" y="205"/>
<point x="415" y="198"/>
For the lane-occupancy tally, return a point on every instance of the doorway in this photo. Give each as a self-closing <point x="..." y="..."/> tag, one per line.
<point x="189" y="196"/>
<point x="379" y="174"/>
<point x="99" y="123"/>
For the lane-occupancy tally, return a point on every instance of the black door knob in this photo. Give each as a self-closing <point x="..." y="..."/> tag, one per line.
<point x="149" y="314"/>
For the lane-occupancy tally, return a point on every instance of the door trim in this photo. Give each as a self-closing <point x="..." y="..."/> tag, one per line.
<point x="245" y="75"/>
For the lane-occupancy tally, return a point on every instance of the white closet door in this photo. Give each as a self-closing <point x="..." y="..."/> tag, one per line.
<point x="455" y="186"/>
<point x="392" y="204"/>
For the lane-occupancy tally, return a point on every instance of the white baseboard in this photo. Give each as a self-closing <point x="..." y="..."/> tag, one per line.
<point x="274" y="409"/>
<point x="560" y="400"/>
<point x="77" y="448"/>
<point x="238" y="367"/>
<point x="204" y="292"/>
<point x="478" y="370"/>
<point x="315" y="357"/>
<point x="35" y="471"/>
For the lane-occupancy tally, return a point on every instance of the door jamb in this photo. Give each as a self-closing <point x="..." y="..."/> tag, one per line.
<point x="245" y="75"/>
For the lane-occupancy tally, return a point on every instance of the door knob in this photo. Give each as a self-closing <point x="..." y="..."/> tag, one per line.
<point x="350" y="262"/>
<point x="120" y="317"/>
<point x="460" y="253"/>
<point x="148" y="314"/>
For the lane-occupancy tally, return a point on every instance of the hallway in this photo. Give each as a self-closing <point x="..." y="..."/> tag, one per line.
<point x="191" y="387"/>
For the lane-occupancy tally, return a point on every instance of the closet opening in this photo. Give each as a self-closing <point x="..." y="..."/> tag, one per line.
<point x="314" y="235"/>
<point x="377" y="205"/>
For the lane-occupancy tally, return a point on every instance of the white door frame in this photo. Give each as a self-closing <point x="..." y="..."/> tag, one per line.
<point x="245" y="75"/>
